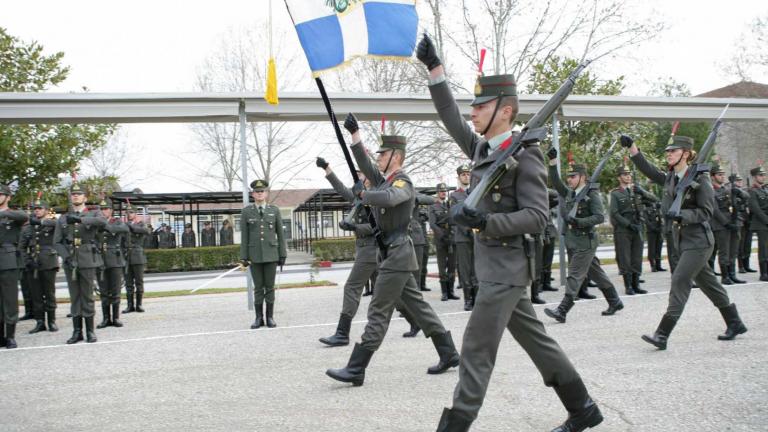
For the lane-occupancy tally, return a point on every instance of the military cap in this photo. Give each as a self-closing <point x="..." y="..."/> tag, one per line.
<point x="680" y="142"/>
<point x="226" y="222"/>
<point x="206" y="223"/>
<point x="392" y="142"/>
<point x="623" y="170"/>
<point x="716" y="169"/>
<point x="463" y="168"/>
<point x="738" y="177"/>
<point x="577" y="169"/>
<point x="757" y="171"/>
<point x="442" y="187"/>
<point x="259" y="185"/>
<point x="39" y="203"/>
<point x="105" y="202"/>
<point x="187" y="225"/>
<point x="5" y="190"/>
<point x="491" y="87"/>
<point x="76" y="189"/>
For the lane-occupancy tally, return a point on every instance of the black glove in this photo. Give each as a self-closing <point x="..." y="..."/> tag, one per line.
<point x="358" y="188"/>
<point x="552" y="153"/>
<point x="281" y="262"/>
<point x="635" y="228"/>
<point x="244" y="262"/>
<point x="635" y="189"/>
<point x="732" y="227"/>
<point x="673" y="217"/>
<point x="469" y="217"/>
<point x="572" y="221"/>
<point x="321" y="163"/>
<point x="346" y="226"/>
<point x="427" y="53"/>
<point x="626" y="141"/>
<point x="34" y="221"/>
<point x="73" y="219"/>
<point x="350" y="123"/>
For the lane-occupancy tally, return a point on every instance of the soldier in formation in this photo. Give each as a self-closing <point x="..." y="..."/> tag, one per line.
<point x="725" y="226"/>
<point x="463" y="242"/>
<point x="11" y="223"/>
<point x="442" y="231"/>
<point x="758" y="209"/>
<point x="41" y="265"/>
<point x="207" y="235"/>
<point x="136" y="261"/>
<point x="745" y="234"/>
<point x="262" y="249"/>
<point x="188" y="238"/>
<point x="548" y="239"/>
<point x="114" y="243"/>
<point x="653" y="232"/>
<point x="166" y="239"/>
<point x="226" y="234"/>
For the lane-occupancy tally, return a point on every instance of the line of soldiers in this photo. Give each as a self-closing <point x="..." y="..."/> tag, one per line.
<point x="164" y="237"/>
<point x="98" y="252"/>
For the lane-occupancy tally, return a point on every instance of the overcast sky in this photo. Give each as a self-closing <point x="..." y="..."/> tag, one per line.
<point x="156" y="46"/>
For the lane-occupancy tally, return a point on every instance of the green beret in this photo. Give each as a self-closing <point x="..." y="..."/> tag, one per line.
<point x="463" y="168"/>
<point x="392" y="142"/>
<point x="491" y="87"/>
<point x="259" y="185"/>
<point x="577" y="169"/>
<point x="680" y="142"/>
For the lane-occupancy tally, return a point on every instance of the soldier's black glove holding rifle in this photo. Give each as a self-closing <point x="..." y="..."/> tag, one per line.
<point x="552" y="153"/>
<point x="358" y="188"/>
<point x="350" y="123"/>
<point x="626" y="141"/>
<point x="427" y="53"/>
<point x="281" y="262"/>
<point x="73" y="219"/>
<point x="469" y="217"/>
<point x="321" y="163"/>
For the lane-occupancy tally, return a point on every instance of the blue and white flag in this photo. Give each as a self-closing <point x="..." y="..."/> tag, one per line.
<point x="333" y="32"/>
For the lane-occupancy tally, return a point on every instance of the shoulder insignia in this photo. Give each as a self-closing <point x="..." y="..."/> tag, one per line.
<point x="399" y="183"/>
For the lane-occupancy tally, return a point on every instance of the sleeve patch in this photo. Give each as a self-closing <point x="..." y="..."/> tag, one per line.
<point x="399" y="183"/>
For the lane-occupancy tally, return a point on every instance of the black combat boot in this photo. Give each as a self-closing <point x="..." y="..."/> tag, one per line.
<point x="451" y="295"/>
<point x="355" y="371"/>
<point x="2" y="333"/>
<point x="658" y="265"/>
<point x="444" y="290"/>
<point x="368" y="290"/>
<point x="562" y="310"/>
<point x="591" y="283"/>
<point x="627" y="278"/>
<point x="106" y="321"/>
<point x="734" y="323"/>
<point x="614" y="302"/>
<point x="116" y="315"/>
<point x="741" y="266"/>
<point x="764" y="271"/>
<point x="10" y="336"/>
<point x="129" y="307"/>
<point x="90" y="336"/>
<point x="341" y="337"/>
<point x="39" y="326"/>
<point x="636" y="284"/>
<point x="660" y="337"/>
<point x="259" y="316"/>
<point x="724" y="276"/>
<point x="584" y="291"/>
<point x="139" y="299"/>
<point x="583" y="412"/>
<point x="449" y="357"/>
<point x="454" y="421"/>
<point x="270" y="315"/>
<point x="546" y="282"/>
<point x="52" y="327"/>
<point x="747" y="268"/>
<point x="415" y="329"/>
<point x="77" y="330"/>
<point x="467" y="299"/>
<point x="732" y="274"/>
<point x="535" y="299"/>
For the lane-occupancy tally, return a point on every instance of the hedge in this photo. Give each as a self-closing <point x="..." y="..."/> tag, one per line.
<point x="189" y="259"/>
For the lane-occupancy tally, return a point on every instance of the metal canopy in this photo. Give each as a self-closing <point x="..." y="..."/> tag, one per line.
<point x="179" y="198"/>
<point x="30" y="108"/>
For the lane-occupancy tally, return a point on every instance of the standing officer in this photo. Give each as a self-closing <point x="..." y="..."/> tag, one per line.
<point x="114" y="241"/>
<point x="758" y="208"/>
<point x="516" y="207"/>
<point x="188" y="239"/>
<point x="152" y="241"/>
<point x="226" y="235"/>
<point x="391" y="199"/>
<point x="263" y="248"/>
<point x="75" y="239"/>
<point x="440" y="223"/>
<point x="627" y="220"/>
<point x="581" y="240"/>
<point x="166" y="239"/>
<point x="137" y="259"/>
<point x="365" y="257"/>
<point x="11" y="222"/>
<point x="463" y="242"/>
<point x="745" y="235"/>
<point x="423" y="220"/>
<point x="42" y="263"/>
<point x="653" y="231"/>
<point x="208" y="235"/>
<point x="548" y="237"/>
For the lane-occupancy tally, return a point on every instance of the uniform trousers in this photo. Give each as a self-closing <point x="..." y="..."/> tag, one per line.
<point x="353" y="288"/>
<point x="583" y="263"/>
<point x="43" y="287"/>
<point x="9" y="296"/>
<point x="446" y="261"/>
<point x="465" y="263"/>
<point x="745" y="242"/>
<point x="629" y="252"/>
<point x="263" y="275"/>
<point x="726" y="247"/>
<point x="693" y="265"/>
<point x="419" y="249"/>
<point x="654" y="246"/>
<point x="134" y="279"/>
<point x="762" y="245"/>
<point x="110" y="284"/>
<point x="81" y="283"/>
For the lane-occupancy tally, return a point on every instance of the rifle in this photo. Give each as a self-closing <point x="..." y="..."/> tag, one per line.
<point x="533" y="131"/>
<point x="692" y="173"/>
<point x="592" y="184"/>
<point x="638" y="216"/>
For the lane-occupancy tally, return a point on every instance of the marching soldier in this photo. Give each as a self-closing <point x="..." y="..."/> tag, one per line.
<point x="226" y="234"/>
<point x="262" y="248"/>
<point x="166" y="239"/>
<point x="188" y="239"/>
<point x="517" y="206"/>
<point x="653" y="232"/>
<point x="758" y="208"/>
<point x="693" y="236"/>
<point x="391" y="199"/>
<point x="745" y="235"/>
<point x="365" y="257"/>
<point x="548" y="237"/>
<point x="137" y="260"/>
<point x="208" y="235"/>
<point x="581" y="240"/>
<point x="440" y="223"/>
<point x="42" y="263"/>
<point x="627" y="220"/>
<point x="419" y="239"/>
<point x="75" y="239"/>
<point x="114" y="240"/>
<point x="11" y="223"/>
<point x="463" y="242"/>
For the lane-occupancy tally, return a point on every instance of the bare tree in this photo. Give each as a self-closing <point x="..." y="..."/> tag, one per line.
<point x="750" y="58"/>
<point x="116" y="159"/>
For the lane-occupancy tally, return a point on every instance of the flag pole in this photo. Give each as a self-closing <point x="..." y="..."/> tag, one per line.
<point x="337" y="129"/>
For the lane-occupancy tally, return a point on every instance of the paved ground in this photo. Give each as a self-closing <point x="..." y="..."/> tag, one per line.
<point x="191" y="363"/>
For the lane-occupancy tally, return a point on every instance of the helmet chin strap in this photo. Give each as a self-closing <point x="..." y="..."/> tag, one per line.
<point x="493" y="116"/>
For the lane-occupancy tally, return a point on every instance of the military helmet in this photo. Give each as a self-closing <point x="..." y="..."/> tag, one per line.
<point x="392" y="142"/>
<point x="463" y="168"/>
<point x="492" y="87"/>
<point x="259" y="185"/>
<point x="757" y="171"/>
<point x="577" y="169"/>
<point x="680" y="142"/>
<point x="442" y="187"/>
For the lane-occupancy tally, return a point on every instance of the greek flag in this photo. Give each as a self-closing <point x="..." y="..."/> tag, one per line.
<point x="333" y="32"/>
